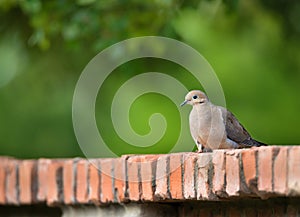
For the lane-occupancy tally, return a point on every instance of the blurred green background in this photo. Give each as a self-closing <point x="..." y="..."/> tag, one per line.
<point x="253" y="46"/>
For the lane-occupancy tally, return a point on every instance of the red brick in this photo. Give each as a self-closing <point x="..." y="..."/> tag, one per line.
<point x="151" y="158"/>
<point x="249" y="166"/>
<point x="233" y="173"/>
<point x="68" y="181"/>
<point x="176" y="176"/>
<point x="147" y="163"/>
<point x="81" y="182"/>
<point x="161" y="179"/>
<point x="280" y="171"/>
<point x="294" y="170"/>
<point x="106" y="184"/>
<point x="265" y="169"/>
<point x="147" y="178"/>
<point x="3" y="165"/>
<point x="26" y="168"/>
<point x="189" y="162"/>
<point x="42" y="172"/>
<point x="2" y="183"/>
<point x="120" y="179"/>
<point x="94" y="182"/>
<point x="204" y="162"/>
<point x="11" y="182"/>
<point x="133" y="163"/>
<point x="54" y="180"/>
<point x="219" y="163"/>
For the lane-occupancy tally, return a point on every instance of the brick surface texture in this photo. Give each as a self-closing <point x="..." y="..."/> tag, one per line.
<point x="233" y="175"/>
<point x="245" y="174"/>
<point x="93" y="182"/>
<point x="265" y="155"/>
<point x="68" y="185"/>
<point x="176" y="176"/>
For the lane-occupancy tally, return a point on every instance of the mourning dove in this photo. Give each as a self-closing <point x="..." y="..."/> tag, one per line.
<point x="214" y="127"/>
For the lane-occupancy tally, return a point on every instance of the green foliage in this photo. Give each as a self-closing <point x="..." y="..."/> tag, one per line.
<point x="253" y="46"/>
<point x="97" y="22"/>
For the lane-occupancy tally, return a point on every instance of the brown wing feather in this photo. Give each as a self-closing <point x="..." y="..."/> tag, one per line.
<point x="234" y="129"/>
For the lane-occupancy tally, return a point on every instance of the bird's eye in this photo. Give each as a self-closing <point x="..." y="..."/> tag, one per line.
<point x="195" y="97"/>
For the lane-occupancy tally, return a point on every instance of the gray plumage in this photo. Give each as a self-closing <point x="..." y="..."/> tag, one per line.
<point x="214" y="127"/>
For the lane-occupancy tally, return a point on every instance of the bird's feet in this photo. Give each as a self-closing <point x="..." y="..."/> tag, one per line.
<point x="201" y="149"/>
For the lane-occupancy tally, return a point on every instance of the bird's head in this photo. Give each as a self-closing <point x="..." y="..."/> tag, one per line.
<point x="195" y="97"/>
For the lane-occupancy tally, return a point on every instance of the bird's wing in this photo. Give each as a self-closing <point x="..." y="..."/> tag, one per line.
<point x="234" y="129"/>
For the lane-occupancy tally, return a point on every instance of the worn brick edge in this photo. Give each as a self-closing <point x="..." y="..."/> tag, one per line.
<point x="264" y="172"/>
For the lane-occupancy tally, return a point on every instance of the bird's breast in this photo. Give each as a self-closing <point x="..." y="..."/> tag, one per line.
<point x="207" y="125"/>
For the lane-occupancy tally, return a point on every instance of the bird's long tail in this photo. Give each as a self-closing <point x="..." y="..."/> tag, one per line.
<point x="252" y="142"/>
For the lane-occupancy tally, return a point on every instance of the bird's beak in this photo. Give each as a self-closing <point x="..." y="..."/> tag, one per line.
<point x="185" y="102"/>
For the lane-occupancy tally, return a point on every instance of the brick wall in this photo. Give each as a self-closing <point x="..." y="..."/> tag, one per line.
<point x="260" y="175"/>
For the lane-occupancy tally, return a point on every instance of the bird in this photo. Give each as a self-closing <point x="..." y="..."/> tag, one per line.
<point x="214" y="127"/>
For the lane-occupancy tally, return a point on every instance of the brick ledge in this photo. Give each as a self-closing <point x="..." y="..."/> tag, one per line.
<point x="264" y="172"/>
